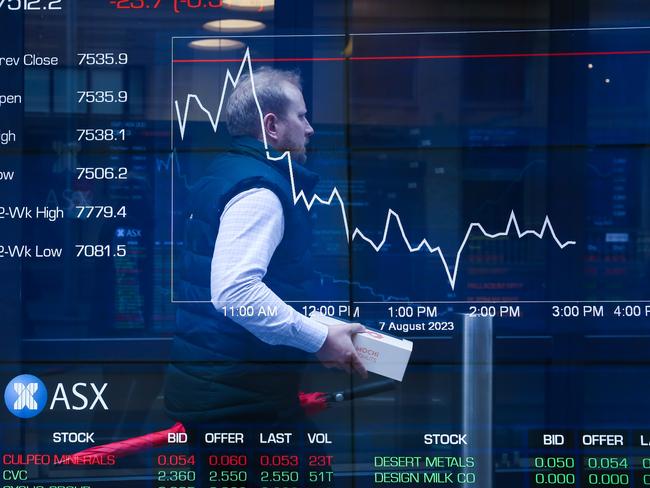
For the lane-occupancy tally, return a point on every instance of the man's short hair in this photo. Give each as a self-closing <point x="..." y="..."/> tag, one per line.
<point x="242" y="116"/>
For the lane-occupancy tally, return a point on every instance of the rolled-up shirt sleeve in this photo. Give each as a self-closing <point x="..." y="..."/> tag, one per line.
<point x="251" y="228"/>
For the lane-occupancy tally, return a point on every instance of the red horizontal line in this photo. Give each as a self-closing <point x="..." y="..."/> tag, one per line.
<point x="256" y="60"/>
<point x="432" y="56"/>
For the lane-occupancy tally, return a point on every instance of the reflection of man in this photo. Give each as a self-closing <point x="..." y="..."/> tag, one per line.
<point x="246" y="250"/>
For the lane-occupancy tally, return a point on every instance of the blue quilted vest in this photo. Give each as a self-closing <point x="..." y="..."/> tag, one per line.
<point x="219" y="370"/>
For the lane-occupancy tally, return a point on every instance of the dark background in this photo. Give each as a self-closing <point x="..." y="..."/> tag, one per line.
<point x="442" y="142"/>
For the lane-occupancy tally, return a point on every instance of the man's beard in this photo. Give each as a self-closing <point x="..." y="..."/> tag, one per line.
<point x="299" y="156"/>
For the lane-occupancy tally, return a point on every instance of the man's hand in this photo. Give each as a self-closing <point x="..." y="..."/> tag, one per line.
<point x="338" y="351"/>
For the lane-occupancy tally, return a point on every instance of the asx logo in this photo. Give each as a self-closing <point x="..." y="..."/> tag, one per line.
<point x="26" y="396"/>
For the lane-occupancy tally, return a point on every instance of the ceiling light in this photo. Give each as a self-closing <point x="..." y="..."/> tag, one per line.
<point x="217" y="44"/>
<point x="234" y="25"/>
<point x="249" y="5"/>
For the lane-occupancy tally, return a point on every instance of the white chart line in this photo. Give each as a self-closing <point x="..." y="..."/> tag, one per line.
<point x="335" y="196"/>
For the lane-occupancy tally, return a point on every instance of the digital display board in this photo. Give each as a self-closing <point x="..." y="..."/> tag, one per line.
<point x="347" y="243"/>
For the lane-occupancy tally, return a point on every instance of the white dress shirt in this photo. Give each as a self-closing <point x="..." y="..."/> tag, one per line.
<point x="250" y="229"/>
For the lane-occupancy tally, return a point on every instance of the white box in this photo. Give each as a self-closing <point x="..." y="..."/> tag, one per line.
<point x="379" y="353"/>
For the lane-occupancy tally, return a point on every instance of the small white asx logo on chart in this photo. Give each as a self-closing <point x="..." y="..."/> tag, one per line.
<point x="26" y="396"/>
